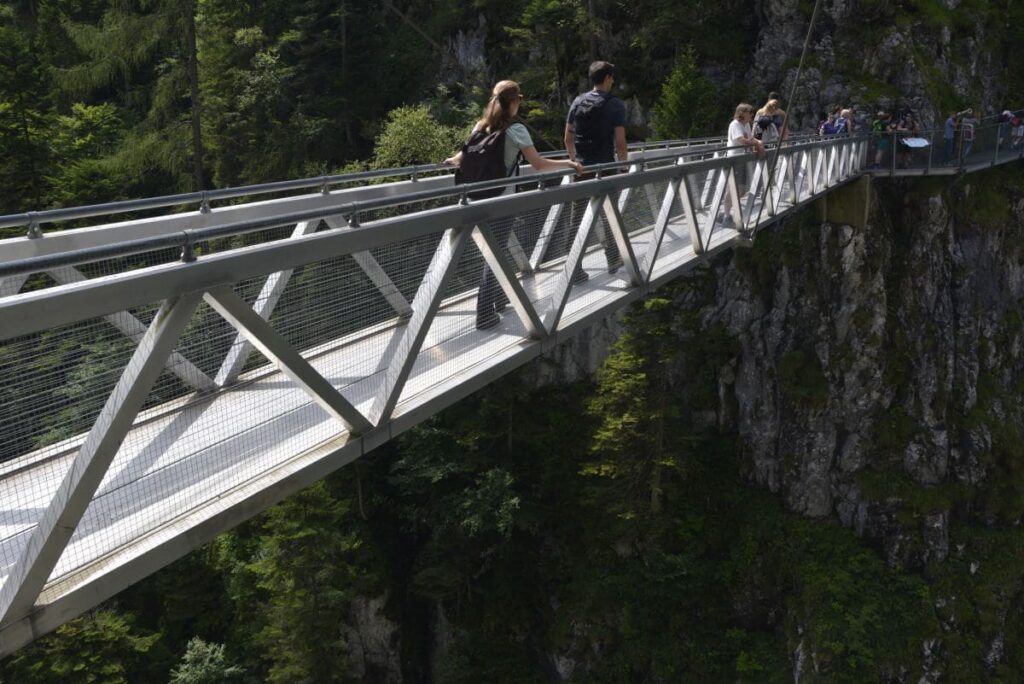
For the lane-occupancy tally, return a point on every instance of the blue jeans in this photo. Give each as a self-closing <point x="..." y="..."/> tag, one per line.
<point x="949" y="150"/>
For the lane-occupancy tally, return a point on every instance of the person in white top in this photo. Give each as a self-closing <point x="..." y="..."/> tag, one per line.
<point x="741" y="141"/>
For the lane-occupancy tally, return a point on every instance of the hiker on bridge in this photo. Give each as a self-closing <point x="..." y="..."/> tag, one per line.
<point x="949" y="138"/>
<point x="1013" y="122"/>
<point x="778" y="115"/>
<point x="883" y="128"/>
<point x="494" y="150"/>
<point x="595" y="133"/>
<point x="968" y="125"/>
<point x="849" y="124"/>
<point x="766" y="129"/>
<point x="741" y="140"/>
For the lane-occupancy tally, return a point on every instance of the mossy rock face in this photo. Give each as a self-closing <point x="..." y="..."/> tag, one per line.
<point x="802" y="379"/>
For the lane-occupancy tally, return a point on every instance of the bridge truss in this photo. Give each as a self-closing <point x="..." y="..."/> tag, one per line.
<point x="170" y="376"/>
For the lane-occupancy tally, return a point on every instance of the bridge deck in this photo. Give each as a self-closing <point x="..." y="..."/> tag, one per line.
<point x="203" y="461"/>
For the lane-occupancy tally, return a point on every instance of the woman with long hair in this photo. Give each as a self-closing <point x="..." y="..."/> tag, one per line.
<point x="499" y="116"/>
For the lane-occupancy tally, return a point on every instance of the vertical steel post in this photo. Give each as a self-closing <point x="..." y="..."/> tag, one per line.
<point x="892" y="152"/>
<point x="931" y="152"/>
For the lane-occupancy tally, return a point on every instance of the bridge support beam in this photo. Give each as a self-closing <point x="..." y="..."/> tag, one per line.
<point x="261" y="335"/>
<point x="848" y="205"/>
<point x="506" y="277"/>
<point x="60" y="520"/>
<point x="424" y="307"/>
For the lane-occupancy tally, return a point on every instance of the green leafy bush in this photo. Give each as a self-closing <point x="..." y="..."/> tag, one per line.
<point x="412" y="136"/>
<point x="686" y="106"/>
<point x="205" y="663"/>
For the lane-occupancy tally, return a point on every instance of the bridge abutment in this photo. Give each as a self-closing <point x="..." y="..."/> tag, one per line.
<point x="848" y="205"/>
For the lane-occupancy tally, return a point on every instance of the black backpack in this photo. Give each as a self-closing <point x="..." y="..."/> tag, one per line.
<point x="483" y="158"/>
<point x="763" y="127"/>
<point x="587" y="126"/>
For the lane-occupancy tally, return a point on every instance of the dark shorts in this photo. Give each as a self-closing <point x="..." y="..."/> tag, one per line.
<point x="740" y="172"/>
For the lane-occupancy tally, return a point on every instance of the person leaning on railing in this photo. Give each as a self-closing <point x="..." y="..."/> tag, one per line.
<point x="949" y="138"/>
<point x="906" y="128"/>
<point x="968" y="125"/>
<point x="510" y="139"/>
<point x="741" y="140"/>
<point x="847" y="122"/>
<point x="765" y="127"/>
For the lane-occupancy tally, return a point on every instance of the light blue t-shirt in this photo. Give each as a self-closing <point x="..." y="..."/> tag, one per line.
<point x="517" y="138"/>
<point x="949" y="129"/>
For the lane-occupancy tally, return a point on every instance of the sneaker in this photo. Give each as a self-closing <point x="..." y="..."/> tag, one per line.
<point x="727" y="222"/>
<point x="487" y="321"/>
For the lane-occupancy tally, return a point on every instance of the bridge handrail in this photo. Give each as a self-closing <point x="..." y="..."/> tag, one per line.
<point x="34" y="219"/>
<point x="203" y="197"/>
<point x="187" y="239"/>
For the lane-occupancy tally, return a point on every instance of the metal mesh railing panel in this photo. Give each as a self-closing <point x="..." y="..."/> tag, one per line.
<point x="170" y="464"/>
<point x="367" y="327"/>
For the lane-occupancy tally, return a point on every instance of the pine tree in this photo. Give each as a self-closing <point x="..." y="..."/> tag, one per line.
<point x="304" y="565"/>
<point x="24" y="120"/>
<point x="633" y="402"/>
<point x="101" y="646"/>
<point x="685" y="108"/>
<point x="146" y="51"/>
<point x="205" y="663"/>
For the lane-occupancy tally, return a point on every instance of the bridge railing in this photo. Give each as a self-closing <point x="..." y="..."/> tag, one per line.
<point x="103" y="299"/>
<point x="928" y="151"/>
<point x="161" y="235"/>
<point x="206" y="200"/>
<point x="140" y="390"/>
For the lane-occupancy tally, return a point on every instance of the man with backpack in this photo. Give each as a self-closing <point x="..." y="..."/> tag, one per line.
<point x="595" y="133"/>
<point x="595" y="130"/>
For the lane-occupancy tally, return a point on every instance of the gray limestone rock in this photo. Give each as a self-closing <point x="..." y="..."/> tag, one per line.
<point x="373" y="651"/>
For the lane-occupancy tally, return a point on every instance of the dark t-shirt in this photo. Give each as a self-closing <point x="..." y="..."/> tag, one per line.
<point x="599" y="146"/>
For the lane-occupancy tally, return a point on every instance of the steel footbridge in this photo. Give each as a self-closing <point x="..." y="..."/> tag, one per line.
<point x="172" y="366"/>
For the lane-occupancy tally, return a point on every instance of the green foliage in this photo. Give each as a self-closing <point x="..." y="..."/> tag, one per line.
<point x="145" y="44"/>
<point x="632" y="399"/>
<point x="24" y="119"/>
<point x="685" y="107"/>
<point x="205" y="663"/>
<point x="862" y="620"/>
<point x="100" y="647"/>
<point x="303" y="564"/>
<point x="412" y="136"/>
<point x="88" y="131"/>
<point x="979" y="584"/>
